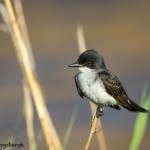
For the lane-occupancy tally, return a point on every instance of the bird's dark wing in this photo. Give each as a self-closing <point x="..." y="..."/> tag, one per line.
<point x="113" y="86"/>
<point x="115" y="89"/>
<point x="78" y="89"/>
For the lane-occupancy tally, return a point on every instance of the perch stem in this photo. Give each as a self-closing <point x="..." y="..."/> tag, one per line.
<point x="92" y="131"/>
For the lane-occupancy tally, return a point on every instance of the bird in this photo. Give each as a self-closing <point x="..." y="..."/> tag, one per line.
<point x="99" y="85"/>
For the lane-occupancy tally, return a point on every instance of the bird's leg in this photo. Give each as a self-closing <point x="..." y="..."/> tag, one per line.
<point x="99" y="111"/>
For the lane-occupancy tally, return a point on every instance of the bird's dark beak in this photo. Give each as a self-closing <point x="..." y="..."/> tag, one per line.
<point x="75" y="65"/>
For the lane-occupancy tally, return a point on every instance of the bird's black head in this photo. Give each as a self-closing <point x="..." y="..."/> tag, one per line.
<point x="90" y="59"/>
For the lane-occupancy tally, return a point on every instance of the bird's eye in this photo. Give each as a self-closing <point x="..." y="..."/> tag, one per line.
<point x="88" y="63"/>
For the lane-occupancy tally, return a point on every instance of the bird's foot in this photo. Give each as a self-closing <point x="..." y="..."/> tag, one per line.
<point x="99" y="112"/>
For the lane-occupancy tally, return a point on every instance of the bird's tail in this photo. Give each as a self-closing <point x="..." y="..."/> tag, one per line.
<point x="135" y="108"/>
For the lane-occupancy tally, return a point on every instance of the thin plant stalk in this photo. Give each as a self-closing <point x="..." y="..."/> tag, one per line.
<point x="99" y="133"/>
<point x="92" y="131"/>
<point x="28" y="106"/>
<point x="51" y="136"/>
<point x="28" y="112"/>
<point x="141" y="121"/>
<point x="69" y="128"/>
<point x="4" y="14"/>
<point x="23" y="29"/>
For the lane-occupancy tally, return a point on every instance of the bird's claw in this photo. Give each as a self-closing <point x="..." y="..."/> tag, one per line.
<point x="99" y="112"/>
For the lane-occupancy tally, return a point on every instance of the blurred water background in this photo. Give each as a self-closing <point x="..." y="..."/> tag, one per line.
<point x="119" y="30"/>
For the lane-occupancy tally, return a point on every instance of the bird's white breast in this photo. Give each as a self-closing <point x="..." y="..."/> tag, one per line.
<point x="93" y="89"/>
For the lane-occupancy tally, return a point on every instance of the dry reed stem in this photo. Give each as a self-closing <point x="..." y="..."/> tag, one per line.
<point x="51" y="137"/>
<point x="4" y="14"/>
<point x="92" y="131"/>
<point x="23" y="28"/>
<point x="28" y="112"/>
<point x="6" y="19"/>
<point x="28" y="107"/>
<point x="99" y="133"/>
<point x="100" y="136"/>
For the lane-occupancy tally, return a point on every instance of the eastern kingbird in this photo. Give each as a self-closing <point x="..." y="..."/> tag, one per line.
<point x="99" y="85"/>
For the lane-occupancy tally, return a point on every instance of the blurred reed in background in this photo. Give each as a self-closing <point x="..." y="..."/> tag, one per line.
<point x="15" y="25"/>
<point x="31" y="83"/>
